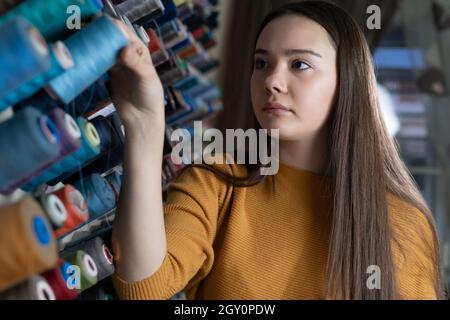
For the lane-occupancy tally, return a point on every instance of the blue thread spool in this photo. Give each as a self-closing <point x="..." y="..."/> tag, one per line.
<point x="34" y="138"/>
<point x="61" y="60"/>
<point x="114" y="156"/>
<point x="106" y="133"/>
<point x="170" y="12"/>
<point x="66" y="132"/>
<point x="68" y="135"/>
<point x="95" y="49"/>
<point x="115" y="179"/>
<point x="50" y="17"/>
<point x="107" y="160"/>
<point x="90" y="148"/>
<point x="98" y="193"/>
<point x="41" y="231"/>
<point x="94" y="95"/>
<point x="23" y="55"/>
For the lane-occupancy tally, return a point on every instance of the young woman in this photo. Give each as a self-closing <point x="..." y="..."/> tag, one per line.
<point x="342" y="218"/>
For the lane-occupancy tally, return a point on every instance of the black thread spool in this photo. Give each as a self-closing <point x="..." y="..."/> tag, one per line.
<point x="102" y="256"/>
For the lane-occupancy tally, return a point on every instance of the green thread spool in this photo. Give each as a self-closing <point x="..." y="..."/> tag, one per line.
<point x="88" y="268"/>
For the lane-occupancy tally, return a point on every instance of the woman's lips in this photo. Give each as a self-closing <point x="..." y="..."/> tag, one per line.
<point x="276" y="108"/>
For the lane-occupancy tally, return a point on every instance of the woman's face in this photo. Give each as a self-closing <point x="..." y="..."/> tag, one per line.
<point x="294" y="66"/>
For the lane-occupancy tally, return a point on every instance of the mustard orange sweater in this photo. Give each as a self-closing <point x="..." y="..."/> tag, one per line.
<point x="226" y="242"/>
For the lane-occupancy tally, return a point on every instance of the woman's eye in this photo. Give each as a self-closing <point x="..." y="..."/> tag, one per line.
<point x="300" y="65"/>
<point x="260" y="64"/>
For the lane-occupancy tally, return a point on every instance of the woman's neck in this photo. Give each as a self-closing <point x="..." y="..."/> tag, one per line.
<point x="310" y="154"/>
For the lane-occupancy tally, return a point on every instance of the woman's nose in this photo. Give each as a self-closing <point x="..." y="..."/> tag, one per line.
<point x="275" y="83"/>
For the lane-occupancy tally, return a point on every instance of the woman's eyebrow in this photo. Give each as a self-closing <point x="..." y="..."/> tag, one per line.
<point x="290" y="52"/>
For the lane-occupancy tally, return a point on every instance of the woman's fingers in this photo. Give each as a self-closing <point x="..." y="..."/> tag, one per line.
<point x="135" y="56"/>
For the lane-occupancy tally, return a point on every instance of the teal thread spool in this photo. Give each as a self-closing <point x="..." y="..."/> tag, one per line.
<point x="23" y="55"/>
<point x="50" y="16"/>
<point x="95" y="49"/>
<point x="61" y="60"/>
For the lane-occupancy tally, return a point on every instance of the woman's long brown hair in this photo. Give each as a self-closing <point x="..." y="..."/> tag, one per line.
<point x="364" y="167"/>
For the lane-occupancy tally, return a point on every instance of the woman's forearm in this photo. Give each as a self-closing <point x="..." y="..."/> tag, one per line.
<point x="139" y="238"/>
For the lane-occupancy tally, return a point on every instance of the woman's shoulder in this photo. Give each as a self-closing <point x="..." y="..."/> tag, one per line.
<point x="404" y="212"/>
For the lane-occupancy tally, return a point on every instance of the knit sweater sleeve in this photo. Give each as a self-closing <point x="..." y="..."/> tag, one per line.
<point x="195" y="201"/>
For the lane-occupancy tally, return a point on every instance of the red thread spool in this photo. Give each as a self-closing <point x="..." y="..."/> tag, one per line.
<point x="58" y="283"/>
<point x="199" y="33"/>
<point x="76" y="207"/>
<point x="154" y="44"/>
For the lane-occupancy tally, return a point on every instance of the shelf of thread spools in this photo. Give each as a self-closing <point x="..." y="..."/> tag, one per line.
<point x="61" y="175"/>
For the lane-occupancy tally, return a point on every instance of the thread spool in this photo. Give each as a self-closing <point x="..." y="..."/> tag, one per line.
<point x="110" y="9"/>
<point x="102" y="256"/>
<point x="105" y="132"/>
<point x="55" y="210"/>
<point x="171" y="32"/>
<point x="93" y="138"/>
<point x="61" y="60"/>
<point x="95" y="49"/>
<point x="88" y="150"/>
<point x="187" y="42"/>
<point x="64" y="269"/>
<point x="108" y="160"/>
<point x="115" y="180"/>
<point x="76" y="207"/>
<point x="138" y="9"/>
<point x="57" y="279"/>
<point x="15" y="196"/>
<point x="34" y="288"/>
<point x="98" y="193"/>
<point x="26" y="242"/>
<point x="170" y="12"/>
<point x="140" y="31"/>
<point x="23" y="55"/>
<point x="158" y="52"/>
<point x="88" y="268"/>
<point x="95" y="95"/>
<point x="68" y="140"/>
<point x="50" y="16"/>
<point x="154" y="44"/>
<point x="36" y="141"/>
<point x="70" y="133"/>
